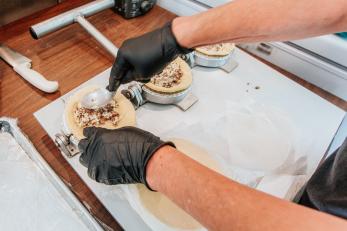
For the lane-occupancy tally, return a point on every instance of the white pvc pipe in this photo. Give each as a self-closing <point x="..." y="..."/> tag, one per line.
<point x="67" y="18"/>
<point x="107" y="44"/>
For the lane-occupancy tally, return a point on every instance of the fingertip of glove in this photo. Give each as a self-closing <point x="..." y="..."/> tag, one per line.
<point x="83" y="160"/>
<point x="144" y="80"/>
<point x="89" y="131"/>
<point x="82" y="145"/>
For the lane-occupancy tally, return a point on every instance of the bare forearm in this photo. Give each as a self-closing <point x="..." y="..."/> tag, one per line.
<point x="221" y="204"/>
<point x="262" y="20"/>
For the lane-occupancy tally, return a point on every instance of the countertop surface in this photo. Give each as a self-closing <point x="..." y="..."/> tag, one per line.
<point x="71" y="57"/>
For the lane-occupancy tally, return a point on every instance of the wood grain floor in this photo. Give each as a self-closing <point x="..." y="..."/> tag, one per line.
<point x="71" y="57"/>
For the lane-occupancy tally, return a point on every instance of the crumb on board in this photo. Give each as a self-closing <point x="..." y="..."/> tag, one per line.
<point x="257" y="87"/>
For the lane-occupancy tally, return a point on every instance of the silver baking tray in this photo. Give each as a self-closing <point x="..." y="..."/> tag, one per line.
<point x="9" y="125"/>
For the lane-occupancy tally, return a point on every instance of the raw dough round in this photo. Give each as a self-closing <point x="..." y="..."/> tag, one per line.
<point x="127" y="116"/>
<point x="186" y="80"/>
<point x="161" y="206"/>
<point x="211" y="50"/>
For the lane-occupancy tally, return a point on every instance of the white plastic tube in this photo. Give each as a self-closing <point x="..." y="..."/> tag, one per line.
<point x="107" y="44"/>
<point x="67" y="18"/>
<point x="77" y="15"/>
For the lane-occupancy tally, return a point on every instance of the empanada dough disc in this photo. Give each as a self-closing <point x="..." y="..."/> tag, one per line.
<point x="127" y="116"/>
<point x="226" y="49"/>
<point x="161" y="206"/>
<point x="186" y="80"/>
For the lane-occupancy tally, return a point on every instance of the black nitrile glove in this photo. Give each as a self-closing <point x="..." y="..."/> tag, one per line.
<point x="141" y="57"/>
<point x="118" y="156"/>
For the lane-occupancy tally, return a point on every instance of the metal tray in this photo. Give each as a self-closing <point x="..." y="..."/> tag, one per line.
<point x="8" y="125"/>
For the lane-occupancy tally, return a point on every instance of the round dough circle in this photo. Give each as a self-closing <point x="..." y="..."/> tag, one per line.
<point x="161" y="206"/>
<point x="186" y="80"/>
<point x="127" y="116"/>
<point x="227" y="48"/>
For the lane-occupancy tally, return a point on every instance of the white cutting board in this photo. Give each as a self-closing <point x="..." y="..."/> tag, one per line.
<point x="317" y="119"/>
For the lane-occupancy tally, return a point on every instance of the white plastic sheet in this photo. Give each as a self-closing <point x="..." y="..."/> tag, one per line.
<point x="255" y="145"/>
<point x="28" y="201"/>
<point x="250" y="140"/>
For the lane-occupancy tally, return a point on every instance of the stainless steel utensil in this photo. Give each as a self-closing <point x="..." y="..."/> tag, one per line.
<point x="97" y="98"/>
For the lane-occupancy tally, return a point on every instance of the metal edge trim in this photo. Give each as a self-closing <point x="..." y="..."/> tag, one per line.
<point x="60" y="186"/>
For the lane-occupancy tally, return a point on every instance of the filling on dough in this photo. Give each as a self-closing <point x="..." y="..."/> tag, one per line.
<point x="85" y="117"/>
<point x="215" y="48"/>
<point x="220" y="49"/>
<point x="169" y="77"/>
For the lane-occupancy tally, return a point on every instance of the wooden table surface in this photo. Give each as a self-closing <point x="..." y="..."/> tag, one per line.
<point x="71" y="57"/>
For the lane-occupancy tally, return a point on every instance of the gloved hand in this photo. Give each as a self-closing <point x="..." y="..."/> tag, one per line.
<point x="141" y="57"/>
<point x="118" y="156"/>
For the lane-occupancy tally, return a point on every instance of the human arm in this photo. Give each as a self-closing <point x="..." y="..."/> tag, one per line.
<point x="222" y="204"/>
<point x="131" y="155"/>
<point x="244" y="21"/>
<point x="239" y="21"/>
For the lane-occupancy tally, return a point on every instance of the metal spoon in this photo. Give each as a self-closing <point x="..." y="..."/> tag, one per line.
<point x="102" y="96"/>
<point x="96" y="99"/>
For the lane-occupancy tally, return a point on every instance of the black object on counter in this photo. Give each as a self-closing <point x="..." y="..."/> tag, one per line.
<point x="133" y="8"/>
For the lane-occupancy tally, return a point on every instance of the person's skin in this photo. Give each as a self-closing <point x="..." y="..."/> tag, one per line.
<point x="215" y="201"/>
<point x="219" y="203"/>
<point x="244" y="21"/>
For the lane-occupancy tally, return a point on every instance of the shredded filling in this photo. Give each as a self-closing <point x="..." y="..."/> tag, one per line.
<point x="85" y="117"/>
<point x="169" y="77"/>
<point x="215" y="47"/>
